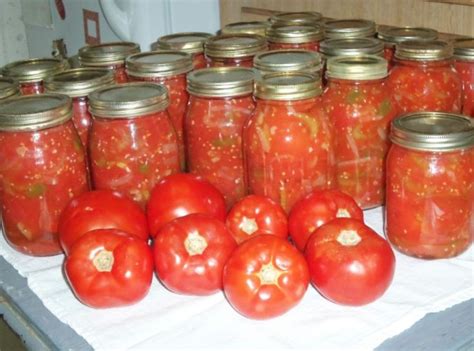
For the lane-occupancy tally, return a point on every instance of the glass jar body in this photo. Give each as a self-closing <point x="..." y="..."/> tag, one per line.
<point x="31" y="88"/>
<point x="120" y="73"/>
<point x="466" y="72"/>
<point x="40" y="172"/>
<point x="199" y="60"/>
<point x="430" y="201"/>
<point x="246" y="61"/>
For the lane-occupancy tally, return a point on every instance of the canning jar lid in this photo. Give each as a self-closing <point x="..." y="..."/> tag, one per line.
<point x="255" y="28"/>
<point x="351" y="47"/>
<point x="294" y="34"/>
<point x="433" y="131"/>
<point x="416" y="50"/>
<point x="367" y="67"/>
<point x="128" y="100"/>
<point x="221" y="81"/>
<point x="295" y="18"/>
<point x="164" y="63"/>
<point x="190" y="42"/>
<point x="234" y="45"/>
<point x="288" y="61"/>
<point x="397" y="35"/>
<point x="8" y="87"/>
<point x="34" y="112"/>
<point x="107" y="53"/>
<point x="464" y="49"/>
<point x="349" y="28"/>
<point x="33" y="70"/>
<point x="288" y="86"/>
<point x="78" y="81"/>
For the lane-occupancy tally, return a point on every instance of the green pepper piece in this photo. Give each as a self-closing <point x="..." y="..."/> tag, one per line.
<point x="35" y="190"/>
<point x="354" y="96"/>
<point x="310" y="122"/>
<point x="384" y="107"/>
<point x="144" y="168"/>
<point x="223" y="142"/>
<point x="77" y="144"/>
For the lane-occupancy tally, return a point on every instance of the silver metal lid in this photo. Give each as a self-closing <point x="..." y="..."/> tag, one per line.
<point x="107" y="54"/>
<point x="34" y="112"/>
<point x="464" y="49"/>
<point x="234" y="45"/>
<point x="433" y="131"/>
<point x="190" y="42"/>
<point x="8" y="87"/>
<point x="159" y="63"/>
<point x="288" y="86"/>
<point x="424" y="50"/>
<point x="349" y="28"/>
<point x="255" y="28"/>
<point x="288" y="61"/>
<point x="33" y="70"/>
<point x="368" y="67"/>
<point x="221" y="82"/>
<point x="351" y="47"/>
<point x="129" y="100"/>
<point x="294" y="34"/>
<point x="396" y="35"/>
<point x="79" y="81"/>
<point x="295" y="18"/>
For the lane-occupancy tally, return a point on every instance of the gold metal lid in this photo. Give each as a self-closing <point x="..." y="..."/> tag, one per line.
<point x="129" y="100"/>
<point x="424" y="50"/>
<point x="396" y="35"/>
<point x="288" y="61"/>
<point x="351" y="47"/>
<point x="464" y="49"/>
<point x="34" y="112"/>
<point x="255" y="28"/>
<point x="288" y="86"/>
<point x="294" y="34"/>
<point x="159" y="63"/>
<point x="295" y="18"/>
<point x="221" y="81"/>
<point x="349" y="28"/>
<point x="33" y="70"/>
<point x="190" y="42"/>
<point x="368" y="67"/>
<point x="234" y="45"/>
<point x="79" y="81"/>
<point x="8" y="87"/>
<point x="107" y="53"/>
<point x="433" y="131"/>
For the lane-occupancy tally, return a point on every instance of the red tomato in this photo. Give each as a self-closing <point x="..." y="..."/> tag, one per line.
<point x="349" y="263"/>
<point x="179" y="195"/>
<point x="265" y="277"/>
<point x="190" y="253"/>
<point x="318" y="208"/>
<point x="254" y="215"/>
<point x="100" y="209"/>
<point x="109" y="268"/>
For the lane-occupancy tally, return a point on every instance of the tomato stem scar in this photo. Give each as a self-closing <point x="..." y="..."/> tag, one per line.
<point x="348" y="238"/>
<point x="343" y="213"/>
<point x="195" y="244"/>
<point x="269" y="274"/>
<point x="104" y="261"/>
<point x="248" y="225"/>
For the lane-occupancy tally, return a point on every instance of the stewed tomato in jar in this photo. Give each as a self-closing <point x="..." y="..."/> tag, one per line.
<point x="464" y="64"/>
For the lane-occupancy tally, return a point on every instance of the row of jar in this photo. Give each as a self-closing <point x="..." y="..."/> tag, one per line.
<point x="283" y="144"/>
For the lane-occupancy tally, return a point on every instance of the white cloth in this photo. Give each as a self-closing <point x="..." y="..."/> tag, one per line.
<point x="164" y="320"/>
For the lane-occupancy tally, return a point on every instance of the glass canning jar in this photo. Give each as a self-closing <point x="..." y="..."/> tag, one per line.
<point x="189" y="42"/>
<point x="31" y="73"/>
<point x="430" y="184"/>
<point x="233" y="49"/>
<point x="253" y="27"/>
<point x="423" y="77"/>
<point x="132" y="143"/>
<point x="360" y="106"/>
<point x="168" y="68"/>
<point x="219" y="105"/>
<point x="42" y="167"/>
<point x="349" y="28"/>
<point x="8" y="88"/>
<point x="294" y="37"/>
<point x="288" y="139"/>
<point x="110" y="55"/>
<point x="464" y="64"/>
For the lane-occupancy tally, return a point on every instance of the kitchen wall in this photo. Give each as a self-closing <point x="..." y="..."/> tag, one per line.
<point x="13" y="44"/>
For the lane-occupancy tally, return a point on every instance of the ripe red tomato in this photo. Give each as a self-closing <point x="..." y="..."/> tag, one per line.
<point x="190" y="253"/>
<point x="265" y="277"/>
<point x="318" y="208"/>
<point x="109" y="268"/>
<point x="100" y="209"/>
<point x="179" y="195"/>
<point x="254" y="215"/>
<point x="349" y="263"/>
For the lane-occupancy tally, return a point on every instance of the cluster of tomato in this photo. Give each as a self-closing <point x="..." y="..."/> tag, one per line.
<point x="199" y="249"/>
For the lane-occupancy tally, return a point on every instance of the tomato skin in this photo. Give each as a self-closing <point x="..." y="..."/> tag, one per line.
<point x="259" y="299"/>
<point x="179" y="195"/>
<point x="183" y="264"/>
<point x="100" y="209"/>
<point x="352" y="275"/>
<point x="318" y="208"/>
<point x="126" y="283"/>
<point x="264" y="216"/>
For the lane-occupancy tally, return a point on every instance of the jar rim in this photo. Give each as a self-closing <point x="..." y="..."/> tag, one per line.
<point x="190" y="42"/>
<point x="234" y="45"/>
<point x="288" y="86"/>
<point x="79" y="82"/>
<point x="33" y="70"/>
<point x="106" y="54"/>
<point x="221" y="82"/>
